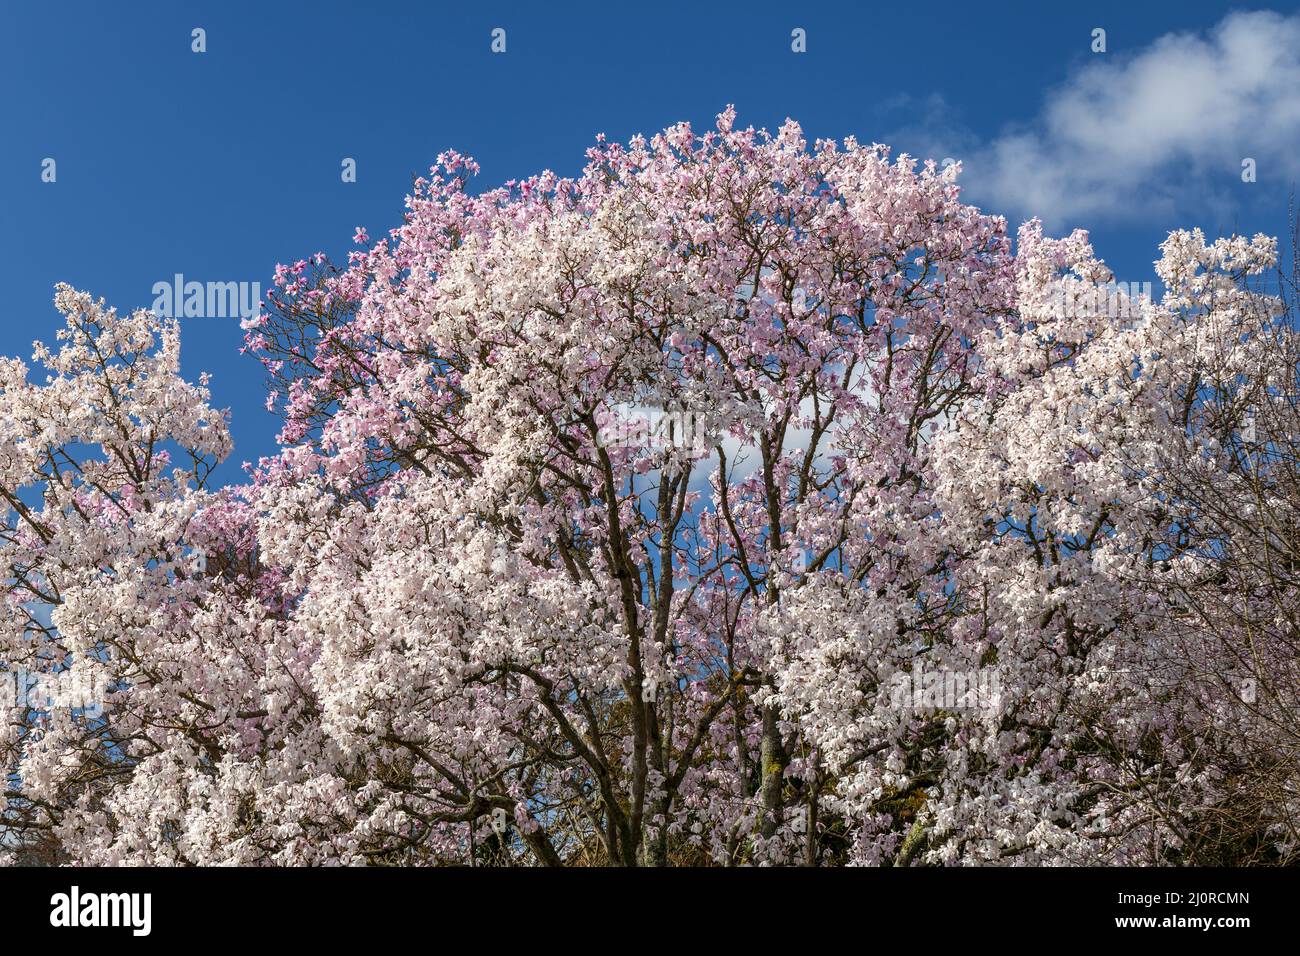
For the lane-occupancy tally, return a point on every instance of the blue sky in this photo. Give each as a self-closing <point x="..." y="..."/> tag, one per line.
<point x="218" y="165"/>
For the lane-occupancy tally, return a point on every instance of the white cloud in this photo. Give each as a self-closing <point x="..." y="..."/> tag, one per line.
<point x="1145" y="134"/>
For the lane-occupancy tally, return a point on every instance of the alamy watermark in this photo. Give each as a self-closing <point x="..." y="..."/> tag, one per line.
<point x="1114" y="300"/>
<point x="74" y="909"/>
<point x="936" y="689"/>
<point x="179" y="299"/>
<point x="71" y="689"/>
<point x="629" y="426"/>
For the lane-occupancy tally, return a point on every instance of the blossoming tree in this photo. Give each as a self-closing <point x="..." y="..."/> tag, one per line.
<point x="653" y="516"/>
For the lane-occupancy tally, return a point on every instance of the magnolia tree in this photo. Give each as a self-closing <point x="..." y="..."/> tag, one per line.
<point x="735" y="502"/>
<point x="1112" y="479"/>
